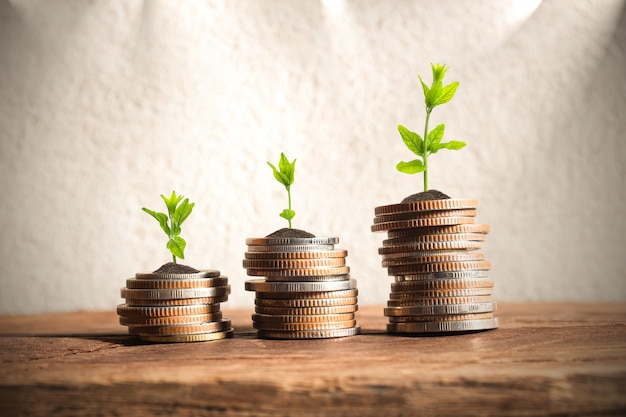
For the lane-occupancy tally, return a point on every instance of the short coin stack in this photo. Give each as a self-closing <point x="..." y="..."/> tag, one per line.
<point x="441" y="280"/>
<point x="168" y="307"/>
<point x="307" y="292"/>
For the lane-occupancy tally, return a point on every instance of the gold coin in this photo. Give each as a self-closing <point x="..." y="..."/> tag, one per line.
<point x="428" y="205"/>
<point x="441" y="318"/>
<point x="440" y="293"/>
<point x="439" y="301"/>
<point x="292" y="263"/>
<point x="441" y="284"/>
<point x="322" y="302"/>
<point x="321" y="271"/>
<point x="307" y="295"/>
<point x="438" y="267"/>
<point x="419" y="223"/>
<point x="441" y="230"/>
<point x="186" y="338"/>
<point x="335" y="253"/>
<point x="213" y="326"/>
<point x="424" y="215"/>
<point x="170" y="321"/>
<point x="417" y="258"/>
<point x="306" y="311"/>
<point x="300" y="327"/>
<point x="466" y="245"/>
<point x="176" y="302"/>
<point x="134" y="283"/>
<point x="314" y="334"/>
<point x="442" y="327"/>
<point x="270" y="318"/>
<point x="420" y="239"/>
<point x="169" y="311"/>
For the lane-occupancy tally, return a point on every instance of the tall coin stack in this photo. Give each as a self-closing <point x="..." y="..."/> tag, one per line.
<point x="165" y="307"/>
<point x="441" y="280"/>
<point x="306" y="292"/>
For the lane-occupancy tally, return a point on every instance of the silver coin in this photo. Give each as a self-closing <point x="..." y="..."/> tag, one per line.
<point x="320" y="302"/>
<point x="311" y="278"/>
<point x="441" y="284"/>
<point x="439" y="301"/>
<point x="440" y="309"/>
<point x="169" y="294"/>
<point x="308" y="295"/>
<point x="306" y="311"/>
<point x="303" y="272"/>
<point x="439" y="293"/>
<point x="290" y="248"/>
<point x="208" y="273"/>
<point x="261" y="285"/>
<point x="315" y="334"/>
<point x="409" y="259"/>
<point x="430" y="247"/>
<point x="134" y="283"/>
<point x="434" y="239"/>
<point x="273" y="241"/>
<point x="289" y="318"/>
<point x="443" y="275"/>
<point x="443" y="327"/>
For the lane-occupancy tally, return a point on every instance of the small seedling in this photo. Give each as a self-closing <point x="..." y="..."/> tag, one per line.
<point x="434" y="96"/>
<point x="176" y="214"/>
<point x="285" y="175"/>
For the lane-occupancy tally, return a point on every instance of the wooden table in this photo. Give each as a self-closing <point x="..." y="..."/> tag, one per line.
<point x="545" y="359"/>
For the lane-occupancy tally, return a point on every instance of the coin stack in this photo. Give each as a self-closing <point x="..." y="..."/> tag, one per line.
<point x="306" y="292"/>
<point x="166" y="307"/>
<point x="441" y="279"/>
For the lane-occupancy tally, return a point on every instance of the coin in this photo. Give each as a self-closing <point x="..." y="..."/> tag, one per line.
<point x="429" y="301"/>
<point x="413" y="238"/>
<point x="428" y="205"/>
<point x="321" y="271"/>
<point x="170" y="321"/>
<point x="319" y="302"/>
<point x="430" y="246"/>
<point x="273" y="241"/>
<point x="441" y="318"/>
<point x="147" y="302"/>
<point x="292" y="263"/>
<point x="439" y="293"/>
<point x="438" y="267"/>
<point x="186" y="310"/>
<point x="308" y="295"/>
<point x="320" y="254"/>
<point x="443" y="275"/>
<point x="316" y="318"/>
<point x="263" y="286"/>
<point x="200" y="337"/>
<point x="410" y="259"/>
<point x="441" y="230"/>
<point x="134" y="283"/>
<point x="416" y="223"/>
<point x="208" y="273"/>
<point x="442" y="284"/>
<point x="300" y="327"/>
<point x="440" y="309"/>
<point x="314" y="334"/>
<point x="169" y="294"/>
<point x="424" y="215"/>
<point x="289" y="248"/>
<point x="307" y="278"/>
<point x="213" y="326"/>
<point x="439" y="327"/>
<point x="306" y="311"/>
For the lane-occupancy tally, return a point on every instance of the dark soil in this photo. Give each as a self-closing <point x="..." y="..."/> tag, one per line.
<point x="425" y="196"/>
<point x="172" y="268"/>
<point x="287" y="232"/>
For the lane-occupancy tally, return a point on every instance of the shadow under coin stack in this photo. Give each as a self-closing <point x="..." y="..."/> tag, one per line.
<point x="175" y="308"/>
<point x="307" y="292"/>
<point x="441" y="280"/>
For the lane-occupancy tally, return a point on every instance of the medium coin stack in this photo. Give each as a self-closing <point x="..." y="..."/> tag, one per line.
<point x="441" y="279"/>
<point x="174" y="308"/>
<point x="306" y="292"/>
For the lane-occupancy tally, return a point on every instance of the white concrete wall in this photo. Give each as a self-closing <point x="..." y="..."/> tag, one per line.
<point x="104" y="105"/>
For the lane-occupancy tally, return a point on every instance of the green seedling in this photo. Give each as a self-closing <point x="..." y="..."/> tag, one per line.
<point x="176" y="214"/>
<point x="434" y="96"/>
<point x="285" y="175"/>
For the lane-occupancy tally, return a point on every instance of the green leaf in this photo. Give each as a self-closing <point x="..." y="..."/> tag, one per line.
<point x="176" y="245"/>
<point x="425" y="88"/>
<point x="182" y="212"/>
<point x="434" y="137"/>
<point x="171" y="203"/>
<point x="285" y="173"/>
<point x="434" y="94"/>
<point x="439" y="71"/>
<point x="447" y="93"/>
<point x="411" y="167"/>
<point x="288" y="214"/>
<point x="412" y="140"/>
<point x="160" y="217"/>
<point x="453" y="145"/>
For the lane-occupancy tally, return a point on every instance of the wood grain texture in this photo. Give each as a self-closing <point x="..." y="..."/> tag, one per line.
<point x="545" y="359"/>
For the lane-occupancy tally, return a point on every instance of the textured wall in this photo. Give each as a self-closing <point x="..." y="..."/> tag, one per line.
<point x="105" y="105"/>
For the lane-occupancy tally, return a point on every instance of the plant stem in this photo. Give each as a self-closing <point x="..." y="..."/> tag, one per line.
<point x="425" y="154"/>
<point x="174" y="258"/>
<point x="289" y="200"/>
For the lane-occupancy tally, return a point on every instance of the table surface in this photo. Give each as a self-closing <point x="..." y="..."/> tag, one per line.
<point x="545" y="359"/>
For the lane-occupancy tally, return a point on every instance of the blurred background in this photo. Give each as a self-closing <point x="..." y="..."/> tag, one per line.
<point x="105" y="105"/>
